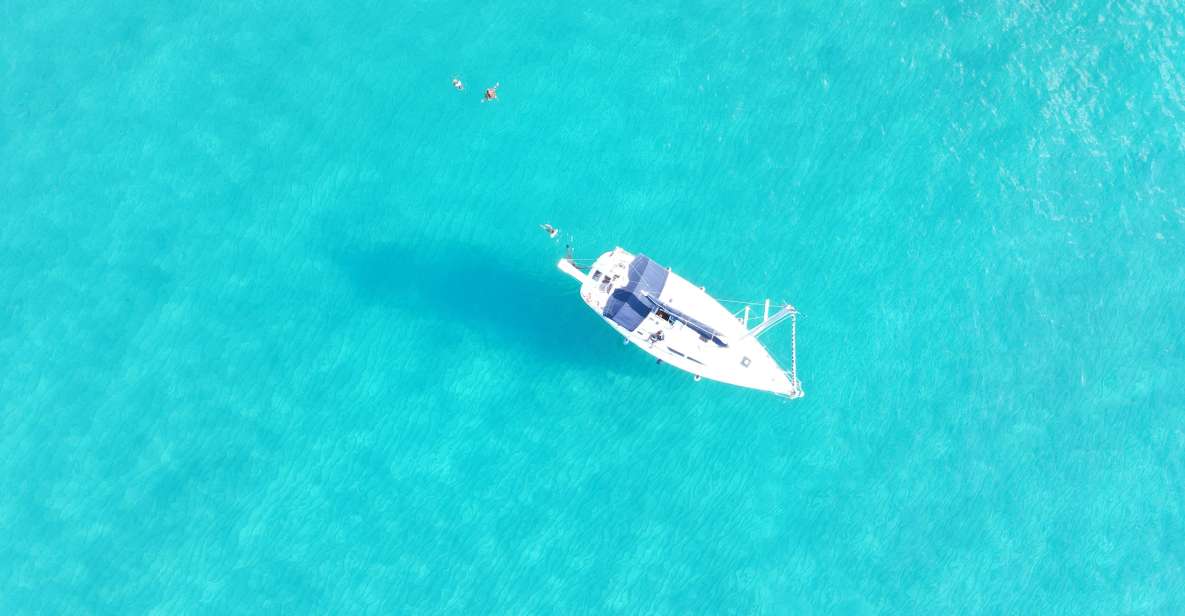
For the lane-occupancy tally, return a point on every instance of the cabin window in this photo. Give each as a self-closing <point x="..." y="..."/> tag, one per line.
<point x="596" y="275"/>
<point x="745" y="362"/>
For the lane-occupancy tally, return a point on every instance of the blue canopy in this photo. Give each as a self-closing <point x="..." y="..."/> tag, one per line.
<point x="698" y="327"/>
<point x="627" y="305"/>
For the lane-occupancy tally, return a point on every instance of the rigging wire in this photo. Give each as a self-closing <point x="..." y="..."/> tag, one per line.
<point x="743" y="302"/>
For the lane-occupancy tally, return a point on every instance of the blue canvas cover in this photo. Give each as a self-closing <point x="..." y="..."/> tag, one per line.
<point x="698" y="327"/>
<point x="626" y="305"/>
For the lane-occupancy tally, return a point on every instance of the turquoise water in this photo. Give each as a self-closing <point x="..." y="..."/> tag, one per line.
<point x="280" y="333"/>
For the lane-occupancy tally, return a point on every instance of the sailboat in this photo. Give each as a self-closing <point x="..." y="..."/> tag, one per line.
<point x="681" y="325"/>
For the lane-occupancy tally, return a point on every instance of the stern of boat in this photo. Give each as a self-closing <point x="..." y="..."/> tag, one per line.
<point x="566" y="266"/>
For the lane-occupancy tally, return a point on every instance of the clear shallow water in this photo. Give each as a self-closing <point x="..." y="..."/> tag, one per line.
<point x="280" y="332"/>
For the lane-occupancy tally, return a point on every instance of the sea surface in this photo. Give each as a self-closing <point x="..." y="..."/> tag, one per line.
<point x="280" y="334"/>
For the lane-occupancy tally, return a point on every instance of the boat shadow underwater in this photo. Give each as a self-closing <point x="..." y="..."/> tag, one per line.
<point x="476" y="289"/>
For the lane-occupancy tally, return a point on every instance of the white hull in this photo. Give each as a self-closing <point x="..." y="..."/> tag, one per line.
<point x="678" y="323"/>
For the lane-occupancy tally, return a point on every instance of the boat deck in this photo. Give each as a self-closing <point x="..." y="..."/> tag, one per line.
<point x="678" y="334"/>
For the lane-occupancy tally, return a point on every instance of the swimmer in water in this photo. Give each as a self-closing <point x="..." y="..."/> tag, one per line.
<point x="551" y="231"/>
<point x="491" y="93"/>
<point x="457" y="84"/>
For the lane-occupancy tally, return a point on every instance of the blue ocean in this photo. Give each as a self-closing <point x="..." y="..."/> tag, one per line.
<point x="280" y="333"/>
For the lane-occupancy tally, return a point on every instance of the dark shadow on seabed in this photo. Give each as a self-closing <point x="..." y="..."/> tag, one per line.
<point x="475" y="288"/>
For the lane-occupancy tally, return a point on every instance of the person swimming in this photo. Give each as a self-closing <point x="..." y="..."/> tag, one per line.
<point x="457" y="84"/>
<point x="491" y="93"/>
<point x="551" y="231"/>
